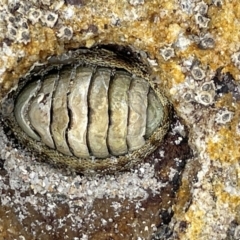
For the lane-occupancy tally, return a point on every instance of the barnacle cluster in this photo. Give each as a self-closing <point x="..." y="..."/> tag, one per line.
<point x="199" y="86"/>
<point x="16" y="27"/>
<point x="16" y="16"/>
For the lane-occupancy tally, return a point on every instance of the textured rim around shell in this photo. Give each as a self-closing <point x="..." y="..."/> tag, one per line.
<point x="105" y="58"/>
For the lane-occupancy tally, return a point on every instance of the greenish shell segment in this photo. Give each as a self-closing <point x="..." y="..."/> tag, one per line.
<point x="21" y="107"/>
<point x="39" y="111"/>
<point x="155" y="113"/>
<point x="119" y="109"/>
<point x="137" y="113"/>
<point x="78" y="106"/>
<point x="59" y="112"/>
<point x="98" y="122"/>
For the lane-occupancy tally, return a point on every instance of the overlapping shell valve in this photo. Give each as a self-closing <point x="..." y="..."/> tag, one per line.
<point x="91" y="110"/>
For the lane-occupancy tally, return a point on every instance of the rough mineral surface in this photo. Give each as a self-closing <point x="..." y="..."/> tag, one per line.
<point x="194" y="49"/>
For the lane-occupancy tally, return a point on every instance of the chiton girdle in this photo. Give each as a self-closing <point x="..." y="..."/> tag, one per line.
<point x="125" y="85"/>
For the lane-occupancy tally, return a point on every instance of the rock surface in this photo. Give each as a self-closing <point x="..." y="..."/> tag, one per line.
<point x="193" y="48"/>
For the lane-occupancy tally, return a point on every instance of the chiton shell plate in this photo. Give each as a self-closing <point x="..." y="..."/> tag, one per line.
<point x="89" y="110"/>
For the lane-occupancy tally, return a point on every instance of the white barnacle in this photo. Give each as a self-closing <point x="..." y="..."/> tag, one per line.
<point x="204" y="97"/>
<point x="50" y="18"/>
<point x="65" y="33"/>
<point x="208" y="86"/>
<point x="167" y="53"/>
<point x="24" y="36"/>
<point x="201" y="21"/>
<point x="224" y="116"/>
<point x="201" y="8"/>
<point x="206" y="42"/>
<point x="11" y="32"/>
<point x="34" y="15"/>
<point x="186" y="6"/>
<point x="198" y="73"/>
<point x="188" y="96"/>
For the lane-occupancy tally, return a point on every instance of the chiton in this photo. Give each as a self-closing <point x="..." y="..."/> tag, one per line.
<point x="89" y="110"/>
